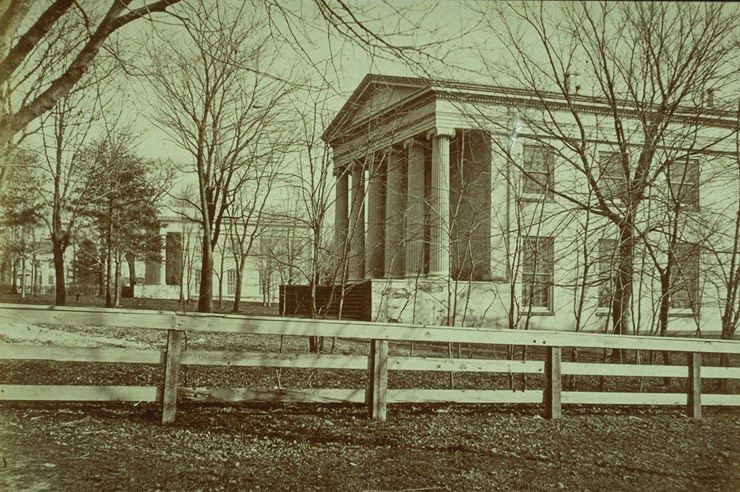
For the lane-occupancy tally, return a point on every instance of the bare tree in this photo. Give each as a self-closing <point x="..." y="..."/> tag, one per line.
<point x="34" y="75"/>
<point x="248" y="219"/>
<point x="650" y="65"/>
<point x="65" y="131"/>
<point x="219" y="103"/>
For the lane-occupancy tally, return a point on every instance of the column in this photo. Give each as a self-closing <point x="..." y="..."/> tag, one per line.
<point x="414" y="261"/>
<point x="375" y="218"/>
<point x="439" y="224"/>
<point x="341" y="220"/>
<point x="356" y="268"/>
<point x="395" y="201"/>
<point x="163" y="262"/>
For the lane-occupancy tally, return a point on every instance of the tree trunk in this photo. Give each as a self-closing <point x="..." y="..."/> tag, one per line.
<point x="14" y="275"/>
<point x="621" y="303"/>
<point x="131" y="260"/>
<point x="117" y="284"/>
<point x="101" y="272"/>
<point x="23" y="278"/>
<point x="205" y="293"/>
<point x="108" y="262"/>
<point x="59" y="289"/>
<point x="34" y="274"/>
<point x="238" y="290"/>
<point x="665" y="304"/>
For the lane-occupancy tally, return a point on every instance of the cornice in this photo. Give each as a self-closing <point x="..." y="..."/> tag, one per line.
<point x="431" y="90"/>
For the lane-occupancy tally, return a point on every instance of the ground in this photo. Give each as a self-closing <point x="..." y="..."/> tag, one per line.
<point x="248" y="447"/>
<point x="122" y="446"/>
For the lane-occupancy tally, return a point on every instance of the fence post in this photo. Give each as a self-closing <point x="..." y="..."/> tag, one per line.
<point x="693" y="400"/>
<point x="553" y="384"/>
<point x="171" y="374"/>
<point x="378" y="383"/>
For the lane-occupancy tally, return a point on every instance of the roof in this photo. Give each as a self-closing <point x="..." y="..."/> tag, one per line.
<point x="416" y="87"/>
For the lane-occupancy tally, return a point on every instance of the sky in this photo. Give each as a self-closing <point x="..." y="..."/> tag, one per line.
<point x="326" y="57"/>
<point x="446" y="39"/>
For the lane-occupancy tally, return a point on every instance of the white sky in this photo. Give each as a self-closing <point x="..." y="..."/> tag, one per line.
<point x="344" y="62"/>
<point x="452" y="32"/>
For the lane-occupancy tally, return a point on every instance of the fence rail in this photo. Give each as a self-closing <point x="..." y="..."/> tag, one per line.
<point x="377" y="363"/>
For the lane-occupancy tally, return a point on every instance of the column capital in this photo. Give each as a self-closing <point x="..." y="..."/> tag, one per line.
<point x="411" y="142"/>
<point x="340" y="171"/>
<point x="359" y="164"/>
<point x="441" y="132"/>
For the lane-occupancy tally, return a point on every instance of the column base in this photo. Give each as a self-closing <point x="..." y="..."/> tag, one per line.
<point x="443" y="275"/>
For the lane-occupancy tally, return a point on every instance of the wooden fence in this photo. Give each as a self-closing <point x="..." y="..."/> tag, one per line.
<point x="378" y="362"/>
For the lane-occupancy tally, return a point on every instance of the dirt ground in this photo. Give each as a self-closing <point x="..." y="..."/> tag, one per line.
<point x="236" y="447"/>
<point x="86" y="447"/>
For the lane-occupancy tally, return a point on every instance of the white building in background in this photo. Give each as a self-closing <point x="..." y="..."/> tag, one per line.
<point x="278" y="256"/>
<point x="445" y="203"/>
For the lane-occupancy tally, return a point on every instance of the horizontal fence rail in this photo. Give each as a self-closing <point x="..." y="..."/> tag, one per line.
<point x="377" y="363"/>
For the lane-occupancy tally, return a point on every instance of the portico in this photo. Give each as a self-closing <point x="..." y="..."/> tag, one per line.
<point x="413" y="195"/>
<point x="394" y="218"/>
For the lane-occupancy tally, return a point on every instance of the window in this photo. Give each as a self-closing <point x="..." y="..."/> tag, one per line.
<point x="539" y="173"/>
<point x="685" y="277"/>
<point x="609" y="261"/>
<point x="173" y="258"/>
<point x="152" y="272"/>
<point x="683" y="181"/>
<point x="231" y="282"/>
<point x="612" y="181"/>
<point x="197" y="276"/>
<point x="538" y="272"/>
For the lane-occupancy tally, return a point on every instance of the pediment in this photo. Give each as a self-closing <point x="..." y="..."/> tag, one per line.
<point x="374" y="95"/>
<point x="382" y="97"/>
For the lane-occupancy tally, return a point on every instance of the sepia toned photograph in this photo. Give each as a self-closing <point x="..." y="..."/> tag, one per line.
<point x="369" y="245"/>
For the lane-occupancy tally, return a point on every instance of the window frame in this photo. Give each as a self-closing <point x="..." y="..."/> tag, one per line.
<point x="542" y="281"/>
<point x="231" y="282"/>
<point x="684" y="253"/>
<point x="611" y="176"/>
<point x="608" y="249"/>
<point x="537" y="153"/>
<point x="690" y="187"/>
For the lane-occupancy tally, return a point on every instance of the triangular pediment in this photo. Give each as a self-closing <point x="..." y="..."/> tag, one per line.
<point x="381" y="97"/>
<point x="374" y="95"/>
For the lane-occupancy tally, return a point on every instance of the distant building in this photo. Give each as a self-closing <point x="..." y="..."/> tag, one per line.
<point x="452" y="202"/>
<point x="278" y="256"/>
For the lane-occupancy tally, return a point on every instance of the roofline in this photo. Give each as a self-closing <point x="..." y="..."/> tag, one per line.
<point x="475" y="91"/>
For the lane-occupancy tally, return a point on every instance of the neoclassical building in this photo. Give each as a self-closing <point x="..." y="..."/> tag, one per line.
<point x="475" y="205"/>
<point x="277" y="257"/>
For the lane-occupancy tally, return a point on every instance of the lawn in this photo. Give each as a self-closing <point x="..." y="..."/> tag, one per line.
<point x="248" y="308"/>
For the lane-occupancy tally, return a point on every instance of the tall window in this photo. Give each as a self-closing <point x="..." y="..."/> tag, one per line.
<point x="609" y="261"/>
<point x="612" y="181"/>
<point x="539" y="170"/>
<point x="231" y="282"/>
<point x="152" y="270"/>
<point x="538" y="272"/>
<point x="685" y="277"/>
<point x="173" y="258"/>
<point x="683" y="181"/>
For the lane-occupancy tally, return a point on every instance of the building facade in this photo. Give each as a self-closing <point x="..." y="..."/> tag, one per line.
<point x="277" y="256"/>
<point x="475" y="205"/>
